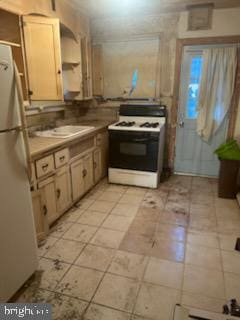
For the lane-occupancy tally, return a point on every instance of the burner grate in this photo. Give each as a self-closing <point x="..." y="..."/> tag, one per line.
<point x="149" y="125"/>
<point x="125" y="124"/>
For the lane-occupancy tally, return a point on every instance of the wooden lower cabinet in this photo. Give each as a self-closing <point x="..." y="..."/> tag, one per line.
<point x="40" y="214"/>
<point x="63" y="189"/>
<point x="68" y="183"/>
<point x="88" y="171"/>
<point x="77" y="179"/>
<point x="104" y="146"/>
<point x="48" y="188"/>
<point x="97" y="164"/>
<point x="82" y="176"/>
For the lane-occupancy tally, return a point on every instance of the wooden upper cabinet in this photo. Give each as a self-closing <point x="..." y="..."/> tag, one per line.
<point x="43" y="56"/>
<point x="97" y="70"/>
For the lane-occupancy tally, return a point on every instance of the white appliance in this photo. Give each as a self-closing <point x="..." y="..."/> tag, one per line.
<point x="18" y="246"/>
<point x="137" y="144"/>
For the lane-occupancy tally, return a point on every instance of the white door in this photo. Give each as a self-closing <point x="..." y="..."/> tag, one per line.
<point x="194" y="155"/>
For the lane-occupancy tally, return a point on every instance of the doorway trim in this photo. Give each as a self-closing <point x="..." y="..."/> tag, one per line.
<point x="181" y="43"/>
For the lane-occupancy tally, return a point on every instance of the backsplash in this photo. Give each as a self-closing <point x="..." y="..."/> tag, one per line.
<point x="87" y="110"/>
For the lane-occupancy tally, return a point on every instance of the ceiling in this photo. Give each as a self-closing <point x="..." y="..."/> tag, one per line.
<point x="101" y="8"/>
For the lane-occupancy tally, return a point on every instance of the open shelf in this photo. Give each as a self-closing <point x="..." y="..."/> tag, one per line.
<point x="12" y="44"/>
<point x="71" y="62"/>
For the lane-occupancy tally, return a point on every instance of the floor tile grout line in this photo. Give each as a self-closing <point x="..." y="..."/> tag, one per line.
<point x="140" y="285"/>
<point x="104" y="273"/>
<point x="185" y="251"/>
<point x="221" y="255"/>
<point x="109" y="307"/>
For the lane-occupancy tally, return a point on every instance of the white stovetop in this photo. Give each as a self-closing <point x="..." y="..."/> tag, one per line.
<point x="139" y="121"/>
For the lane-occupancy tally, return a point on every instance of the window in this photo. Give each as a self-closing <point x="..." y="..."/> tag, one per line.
<point x="193" y="86"/>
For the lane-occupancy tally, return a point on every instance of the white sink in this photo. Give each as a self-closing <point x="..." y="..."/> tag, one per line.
<point x="64" y="132"/>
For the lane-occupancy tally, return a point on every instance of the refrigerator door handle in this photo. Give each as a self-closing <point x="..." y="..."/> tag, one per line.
<point x="4" y="64"/>
<point x="23" y="121"/>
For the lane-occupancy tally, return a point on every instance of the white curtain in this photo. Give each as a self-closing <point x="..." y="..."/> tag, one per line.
<point x="216" y="88"/>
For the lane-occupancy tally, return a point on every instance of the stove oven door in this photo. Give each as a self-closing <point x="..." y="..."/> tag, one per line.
<point x="134" y="150"/>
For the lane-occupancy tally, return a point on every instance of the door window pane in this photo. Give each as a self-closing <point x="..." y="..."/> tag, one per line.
<point x="193" y="86"/>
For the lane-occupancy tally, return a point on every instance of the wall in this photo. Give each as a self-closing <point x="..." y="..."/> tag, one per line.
<point x="122" y="58"/>
<point x="225" y="22"/>
<point x="169" y="27"/>
<point x="71" y="18"/>
<point x="163" y="26"/>
<point x="125" y="28"/>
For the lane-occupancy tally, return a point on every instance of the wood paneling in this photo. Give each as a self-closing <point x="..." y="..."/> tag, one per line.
<point x="102" y="8"/>
<point x="67" y="14"/>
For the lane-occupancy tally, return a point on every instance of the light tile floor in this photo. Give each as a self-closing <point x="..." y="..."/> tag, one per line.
<point x="128" y="253"/>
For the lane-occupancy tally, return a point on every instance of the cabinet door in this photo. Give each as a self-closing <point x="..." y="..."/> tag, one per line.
<point x="63" y="189"/>
<point x="40" y="214"/>
<point x="104" y="152"/>
<point x="86" y="67"/>
<point x="77" y="179"/>
<point x="48" y="188"/>
<point x="43" y="55"/>
<point x="88" y="171"/>
<point x="97" y="164"/>
<point x="89" y="63"/>
<point x="97" y="70"/>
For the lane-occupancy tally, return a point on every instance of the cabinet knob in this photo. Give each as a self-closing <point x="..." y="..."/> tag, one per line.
<point x="59" y="71"/>
<point x="30" y="92"/>
<point x="58" y="193"/>
<point x="84" y="173"/>
<point x="45" y="210"/>
<point x="44" y="167"/>
<point x="95" y="164"/>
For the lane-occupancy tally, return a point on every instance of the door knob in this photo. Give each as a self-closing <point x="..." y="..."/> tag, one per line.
<point x="181" y="124"/>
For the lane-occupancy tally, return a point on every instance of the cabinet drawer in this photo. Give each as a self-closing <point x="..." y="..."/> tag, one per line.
<point x="44" y="166"/>
<point x="61" y="157"/>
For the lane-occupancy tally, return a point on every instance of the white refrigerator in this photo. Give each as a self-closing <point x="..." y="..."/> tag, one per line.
<point x="18" y="246"/>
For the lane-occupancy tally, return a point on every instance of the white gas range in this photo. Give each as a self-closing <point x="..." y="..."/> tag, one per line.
<point x="136" y="145"/>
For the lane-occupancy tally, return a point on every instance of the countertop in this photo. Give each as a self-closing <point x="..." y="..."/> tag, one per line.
<point x="39" y="145"/>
